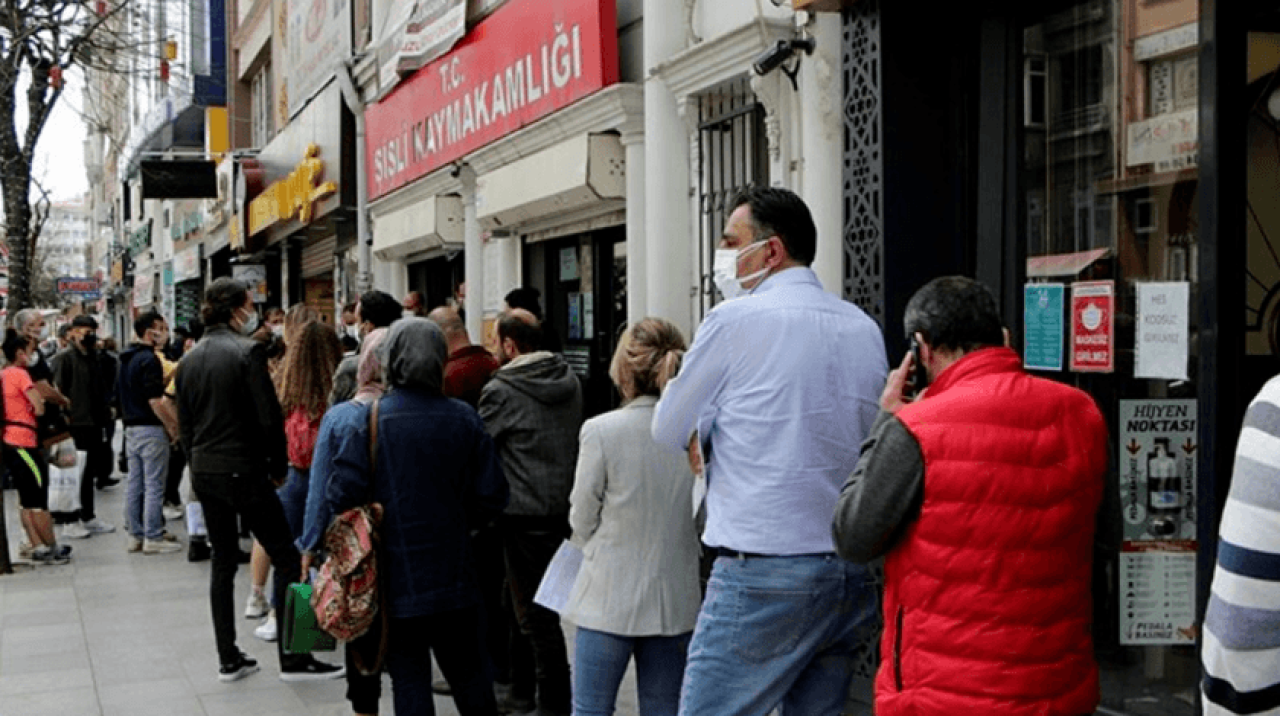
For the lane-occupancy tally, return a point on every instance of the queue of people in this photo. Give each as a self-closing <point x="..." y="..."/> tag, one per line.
<point x="777" y="450"/>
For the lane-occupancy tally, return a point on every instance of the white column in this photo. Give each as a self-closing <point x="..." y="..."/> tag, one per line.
<point x="474" y="255"/>
<point x="508" y="265"/>
<point x="668" y="257"/>
<point x="637" y="291"/>
<point x="821" y="145"/>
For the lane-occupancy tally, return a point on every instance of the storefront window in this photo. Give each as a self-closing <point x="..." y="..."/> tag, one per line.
<point x="1109" y="195"/>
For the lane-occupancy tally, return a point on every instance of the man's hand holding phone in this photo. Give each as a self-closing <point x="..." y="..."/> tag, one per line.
<point x="897" y="388"/>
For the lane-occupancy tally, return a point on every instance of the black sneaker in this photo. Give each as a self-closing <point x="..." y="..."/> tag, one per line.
<point x="107" y="483"/>
<point x="62" y="550"/>
<point x="198" y="549"/>
<point x="312" y="670"/>
<point x="238" y="669"/>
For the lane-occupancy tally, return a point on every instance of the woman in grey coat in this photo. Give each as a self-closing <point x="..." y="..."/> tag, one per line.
<point x="631" y="512"/>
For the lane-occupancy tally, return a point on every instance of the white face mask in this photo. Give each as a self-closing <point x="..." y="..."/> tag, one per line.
<point x="725" y="271"/>
<point x="250" y="323"/>
<point x="408" y="314"/>
<point x="33" y="359"/>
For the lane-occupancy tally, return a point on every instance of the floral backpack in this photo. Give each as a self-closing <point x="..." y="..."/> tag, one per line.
<point x="347" y="596"/>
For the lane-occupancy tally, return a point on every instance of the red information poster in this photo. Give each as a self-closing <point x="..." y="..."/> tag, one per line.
<point x="1093" y="332"/>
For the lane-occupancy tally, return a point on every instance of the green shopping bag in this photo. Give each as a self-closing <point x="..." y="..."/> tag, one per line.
<point x="298" y="631"/>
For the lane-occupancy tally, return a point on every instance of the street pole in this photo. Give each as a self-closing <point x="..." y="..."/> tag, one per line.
<point x="364" y="239"/>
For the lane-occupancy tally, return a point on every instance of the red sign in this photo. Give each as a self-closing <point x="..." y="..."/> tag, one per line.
<point x="1093" y="332"/>
<point x="527" y="60"/>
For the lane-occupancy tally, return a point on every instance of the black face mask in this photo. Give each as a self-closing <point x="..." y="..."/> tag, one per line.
<point x="89" y="341"/>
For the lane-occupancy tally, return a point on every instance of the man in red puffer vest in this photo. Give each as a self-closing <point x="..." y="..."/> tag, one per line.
<point x="981" y="493"/>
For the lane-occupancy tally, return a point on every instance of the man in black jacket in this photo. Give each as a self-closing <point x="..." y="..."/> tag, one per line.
<point x="78" y="373"/>
<point x="233" y="432"/>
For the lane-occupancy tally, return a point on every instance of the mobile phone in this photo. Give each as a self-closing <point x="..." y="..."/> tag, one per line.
<point x="919" y="378"/>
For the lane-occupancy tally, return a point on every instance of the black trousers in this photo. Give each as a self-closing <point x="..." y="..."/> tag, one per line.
<point x="455" y="637"/>
<point x="177" y="461"/>
<point x="225" y="497"/>
<point x="529" y="546"/>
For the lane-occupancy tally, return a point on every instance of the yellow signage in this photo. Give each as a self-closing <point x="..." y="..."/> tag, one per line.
<point x="291" y="196"/>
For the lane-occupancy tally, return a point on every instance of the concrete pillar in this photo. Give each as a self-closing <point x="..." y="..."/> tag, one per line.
<point x="821" y="145"/>
<point x="668" y="258"/>
<point x="508" y="266"/>
<point x="475" y="254"/>
<point x="637" y="267"/>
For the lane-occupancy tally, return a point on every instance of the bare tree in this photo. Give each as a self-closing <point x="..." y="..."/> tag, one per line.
<point x="39" y="41"/>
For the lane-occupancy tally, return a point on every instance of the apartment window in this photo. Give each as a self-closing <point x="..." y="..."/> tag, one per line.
<point x="1034" y="81"/>
<point x="260" y="106"/>
<point x="1174" y="84"/>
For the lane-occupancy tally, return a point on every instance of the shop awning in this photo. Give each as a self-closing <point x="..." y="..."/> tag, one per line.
<point x="1063" y="264"/>
<point x="418" y="227"/>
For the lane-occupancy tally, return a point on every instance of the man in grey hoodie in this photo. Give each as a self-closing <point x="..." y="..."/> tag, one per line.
<point x="532" y="408"/>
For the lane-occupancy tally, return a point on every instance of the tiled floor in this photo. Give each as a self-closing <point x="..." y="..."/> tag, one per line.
<point x="118" y="633"/>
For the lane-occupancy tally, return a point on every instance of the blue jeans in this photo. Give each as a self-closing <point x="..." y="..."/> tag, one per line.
<point x="148" y="450"/>
<point x="293" y="497"/>
<point x="600" y="660"/>
<point x="778" y="630"/>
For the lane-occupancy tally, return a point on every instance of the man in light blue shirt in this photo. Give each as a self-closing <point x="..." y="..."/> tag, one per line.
<point x="780" y="387"/>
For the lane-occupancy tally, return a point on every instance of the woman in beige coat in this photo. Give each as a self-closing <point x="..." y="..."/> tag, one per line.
<point x="631" y="511"/>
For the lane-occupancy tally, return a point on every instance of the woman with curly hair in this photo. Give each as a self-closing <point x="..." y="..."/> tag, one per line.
<point x="306" y="377"/>
<point x="303" y="381"/>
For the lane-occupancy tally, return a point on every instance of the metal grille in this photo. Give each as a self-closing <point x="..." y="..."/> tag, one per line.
<point x="863" y="160"/>
<point x="864" y="234"/>
<point x="733" y="154"/>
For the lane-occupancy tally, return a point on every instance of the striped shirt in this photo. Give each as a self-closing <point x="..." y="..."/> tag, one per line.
<point x="1241" y="644"/>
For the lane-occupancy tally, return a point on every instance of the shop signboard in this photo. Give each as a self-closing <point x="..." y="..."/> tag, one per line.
<point x="433" y="28"/>
<point x="1158" y="507"/>
<point x="1169" y="141"/>
<point x="1092" y="342"/>
<point x="1161" y="345"/>
<point x="319" y="39"/>
<point x="294" y="196"/>
<point x="1042" y="316"/>
<point x="84" y="289"/>
<point x="143" y="290"/>
<point x="186" y="264"/>
<point x="525" y="61"/>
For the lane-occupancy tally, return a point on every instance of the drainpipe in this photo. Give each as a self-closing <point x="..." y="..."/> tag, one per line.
<point x="364" y="240"/>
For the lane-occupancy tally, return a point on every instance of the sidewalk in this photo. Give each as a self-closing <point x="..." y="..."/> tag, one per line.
<point x="117" y="633"/>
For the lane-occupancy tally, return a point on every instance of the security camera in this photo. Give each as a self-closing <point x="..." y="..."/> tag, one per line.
<point x="781" y="51"/>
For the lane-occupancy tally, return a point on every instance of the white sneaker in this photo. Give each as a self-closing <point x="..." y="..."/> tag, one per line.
<point x="160" y="546"/>
<point x="98" y="527"/>
<point x="134" y="544"/>
<point x="25" y="549"/>
<point x="75" y="530"/>
<point x="267" y="632"/>
<point x="172" y="511"/>
<point x="257" y="606"/>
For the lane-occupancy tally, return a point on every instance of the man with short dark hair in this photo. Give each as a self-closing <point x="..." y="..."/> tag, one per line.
<point x="469" y="366"/>
<point x="148" y="425"/>
<point x="776" y="390"/>
<point x="375" y="309"/>
<point x="532" y="407"/>
<point x="982" y="494"/>
<point x="233" y="433"/>
<point x="78" y="374"/>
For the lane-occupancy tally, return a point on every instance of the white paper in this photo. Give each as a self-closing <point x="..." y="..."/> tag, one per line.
<point x="557" y="582"/>
<point x="1163" y="335"/>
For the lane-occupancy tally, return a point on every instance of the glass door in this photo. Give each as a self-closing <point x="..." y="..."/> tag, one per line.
<point x="1108" y="191"/>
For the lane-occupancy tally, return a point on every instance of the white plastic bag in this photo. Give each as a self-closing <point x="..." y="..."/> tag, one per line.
<point x="63" y="454"/>
<point x="64" y="484"/>
<point x="195" y="520"/>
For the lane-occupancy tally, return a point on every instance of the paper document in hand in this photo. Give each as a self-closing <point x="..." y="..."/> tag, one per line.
<point x="557" y="583"/>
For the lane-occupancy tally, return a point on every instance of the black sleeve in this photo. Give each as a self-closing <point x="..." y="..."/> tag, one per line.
<point x="269" y="416"/>
<point x="883" y="495"/>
